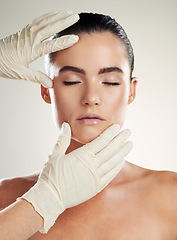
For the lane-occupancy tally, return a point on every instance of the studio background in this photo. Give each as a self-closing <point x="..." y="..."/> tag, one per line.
<point x="27" y="130"/>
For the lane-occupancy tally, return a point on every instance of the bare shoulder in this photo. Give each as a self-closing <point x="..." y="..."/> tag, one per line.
<point x="161" y="189"/>
<point x="165" y="185"/>
<point x="166" y="179"/>
<point x="12" y="188"/>
<point x="159" y="178"/>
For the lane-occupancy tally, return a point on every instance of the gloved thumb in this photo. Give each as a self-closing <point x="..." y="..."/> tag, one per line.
<point x="63" y="141"/>
<point x="55" y="45"/>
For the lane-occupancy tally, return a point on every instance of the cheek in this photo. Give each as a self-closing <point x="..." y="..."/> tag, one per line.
<point x="118" y="105"/>
<point x="63" y="105"/>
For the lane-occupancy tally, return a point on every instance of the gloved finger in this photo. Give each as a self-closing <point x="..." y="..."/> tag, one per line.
<point x="63" y="141"/>
<point x="108" y="177"/>
<point x="48" y="18"/>
<point x="55" y="27"/>
<point x="103" y="139"/>
<point x="10" y="72"/>
<point x="55" y="45"/>
<point x="36" y="77"/>
<point x="37" y="20"/>
<point x="113" y="161"/>
<point x="113" y="146"/>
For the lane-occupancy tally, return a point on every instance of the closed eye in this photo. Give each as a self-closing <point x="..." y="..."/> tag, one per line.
<point x="112" y="84"/>
<point x="70" y="83"/>
<point x="106" y="83"/>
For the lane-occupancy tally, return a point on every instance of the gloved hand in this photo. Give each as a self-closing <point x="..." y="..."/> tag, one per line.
<point x="70" y="179"/>
<point x="25" y="46"/>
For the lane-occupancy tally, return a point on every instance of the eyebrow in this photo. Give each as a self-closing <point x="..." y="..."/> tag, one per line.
<point x="82" y="71"/>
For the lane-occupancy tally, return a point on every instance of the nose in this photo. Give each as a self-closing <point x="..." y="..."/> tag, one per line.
<point x="91" y="95"/>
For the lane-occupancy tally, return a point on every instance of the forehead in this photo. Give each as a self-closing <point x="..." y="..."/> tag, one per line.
<point x="93" y="51"/>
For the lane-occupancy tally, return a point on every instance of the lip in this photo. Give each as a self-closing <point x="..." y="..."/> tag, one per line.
<point x="90" y="119"/>
<point x="90" y="116"/>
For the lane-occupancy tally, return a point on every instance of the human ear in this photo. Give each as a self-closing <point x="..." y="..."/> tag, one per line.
<point x="45" y="94"/>
<point x="132" y="95"/>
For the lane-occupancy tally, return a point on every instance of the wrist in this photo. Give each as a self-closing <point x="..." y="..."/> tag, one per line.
<point x="37" y="218"/>
<point x="46" y="203"/>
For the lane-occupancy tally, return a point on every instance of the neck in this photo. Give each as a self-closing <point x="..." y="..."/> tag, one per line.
<point x="73" y="145"/>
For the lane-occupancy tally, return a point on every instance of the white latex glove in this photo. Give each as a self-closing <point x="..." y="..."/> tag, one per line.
<point x="25" y="46"/>
<point x="71" y="179"/>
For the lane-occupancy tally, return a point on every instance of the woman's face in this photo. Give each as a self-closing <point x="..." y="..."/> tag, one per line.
<point x="94" y="62"/>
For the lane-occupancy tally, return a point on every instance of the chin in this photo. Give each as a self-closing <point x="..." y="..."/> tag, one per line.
<point x="86" y="134"/>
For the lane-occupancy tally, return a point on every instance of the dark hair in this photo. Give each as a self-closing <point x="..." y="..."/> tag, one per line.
<point x="94" y="22"/>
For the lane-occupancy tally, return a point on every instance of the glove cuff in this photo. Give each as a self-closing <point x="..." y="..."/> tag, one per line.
<point x="45" y="202"/>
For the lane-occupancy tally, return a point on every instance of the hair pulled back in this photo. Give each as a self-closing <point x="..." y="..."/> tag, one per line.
<point x="94" y="22"/>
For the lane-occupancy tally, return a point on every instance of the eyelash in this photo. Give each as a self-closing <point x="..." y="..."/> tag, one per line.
<point x="106" y="83"/>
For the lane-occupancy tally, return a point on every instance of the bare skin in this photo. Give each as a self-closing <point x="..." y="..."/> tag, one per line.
<point x="138" y="204"/>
